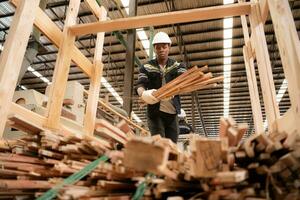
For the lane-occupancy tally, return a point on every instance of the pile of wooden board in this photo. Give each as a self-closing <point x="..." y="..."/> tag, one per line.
<point x="192" y="80"/>
<point x="37" y="162"/>
<point x="257" y="168"/>
<point x="260" y="167"/>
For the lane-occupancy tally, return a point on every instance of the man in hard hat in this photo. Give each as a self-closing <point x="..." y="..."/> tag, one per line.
<point x="161" y="115"/>
<point x="184" y="127"/>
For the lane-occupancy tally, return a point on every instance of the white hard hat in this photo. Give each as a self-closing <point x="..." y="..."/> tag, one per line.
<point x="182" y="114"/>
<point x="161" y="37"/>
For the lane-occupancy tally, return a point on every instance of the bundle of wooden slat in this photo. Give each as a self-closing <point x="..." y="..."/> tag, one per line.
<point x="192" y="80"/>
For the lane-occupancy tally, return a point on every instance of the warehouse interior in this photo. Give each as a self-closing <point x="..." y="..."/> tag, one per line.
<point x="217" y="42"/>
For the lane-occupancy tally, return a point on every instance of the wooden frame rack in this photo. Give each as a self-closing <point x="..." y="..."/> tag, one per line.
<point x="28" y="14"/>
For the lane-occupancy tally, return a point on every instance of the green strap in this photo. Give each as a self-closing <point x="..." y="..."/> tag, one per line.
<point x="50" y="194"/>
<point x="139" y="193"/>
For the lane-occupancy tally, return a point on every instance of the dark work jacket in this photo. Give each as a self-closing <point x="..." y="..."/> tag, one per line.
<point x="184" y="127"/>
<point x="150" y="77"/>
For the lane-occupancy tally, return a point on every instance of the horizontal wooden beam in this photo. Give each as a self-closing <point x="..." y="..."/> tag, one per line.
<point x="36" y="120"/>
<point x="55" y="35"/>
<point x="175" y="17"/>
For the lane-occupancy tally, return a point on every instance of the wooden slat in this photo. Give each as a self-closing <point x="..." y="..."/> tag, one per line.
<point x="251" y="79"/>
<point x="107" y="130"/>
<point x="104" y="105"/>
<point x="30" y="118"/>
<point x="253" y="91"/>
<point x="95" y="84"/>
<point x="191" y="15"/>
<point x="264" y="9"/>
<point x="94" y="7"/>
<point x="13" y="53"/>
<point x="62" y="67"/>
<point x="264" y="65"/>
<point x="24" y="184"/>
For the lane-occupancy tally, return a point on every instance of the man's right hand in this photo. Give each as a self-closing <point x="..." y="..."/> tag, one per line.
<point x="148" y="98"/>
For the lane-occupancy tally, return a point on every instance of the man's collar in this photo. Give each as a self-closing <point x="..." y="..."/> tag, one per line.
<point x="169" y="62"/>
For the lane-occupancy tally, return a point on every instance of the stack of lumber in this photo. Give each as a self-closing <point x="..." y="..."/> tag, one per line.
<point x="34" y="164"/>
<point x="192" y="80"/>
<point x="260" y="167"/>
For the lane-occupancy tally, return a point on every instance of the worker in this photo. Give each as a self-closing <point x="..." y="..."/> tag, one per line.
<point x="161" y="115"/>
<point x="184" y="127"/>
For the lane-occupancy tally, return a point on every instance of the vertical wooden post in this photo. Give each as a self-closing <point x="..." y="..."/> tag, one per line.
<point x="253" y="90"/>
<point x="62" y="68"/>
<point x="251" y="78"/>
<point x="95" y="84"/>
<point x="264" y="65"/>
<point x="13" y="53"/>
<point x="289" y="48"/>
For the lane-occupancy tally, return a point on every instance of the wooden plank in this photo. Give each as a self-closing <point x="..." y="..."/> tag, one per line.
<point x="20" y="158"/>
<point x="223" y="127"/>
<point x="289" y="49"/>
<point x="27" y="116"/>
<point x="62" y="68"/>
<point x="190" y="15"/>
<point x="52" y="31"/>
<point x="24" y="184"/>
<point x="253" y="90"/>
<point x="145" y="161"/>
<point x="94" y="7"/>
<point x="103" y="104"/>
<point x="251" y="78"/>
<point x="264" y="65"/>
<point x="95" y="84"/>
<point x="264" y="10"/>
<point x="208" y="156"/>
<point x="242" y="129"/>
<point x="107" y="130"/>
<point x="124" y="126"/>
<point x="12" y="55"/>
<point x="231" y="177"/>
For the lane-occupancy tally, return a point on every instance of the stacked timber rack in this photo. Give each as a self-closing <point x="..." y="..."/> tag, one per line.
<point x="192" y="80"/>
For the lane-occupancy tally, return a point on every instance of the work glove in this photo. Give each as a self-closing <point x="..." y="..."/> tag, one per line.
<point x="148" y="98"/>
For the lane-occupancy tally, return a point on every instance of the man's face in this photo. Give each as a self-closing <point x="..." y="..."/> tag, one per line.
<point x="162" y="50"/>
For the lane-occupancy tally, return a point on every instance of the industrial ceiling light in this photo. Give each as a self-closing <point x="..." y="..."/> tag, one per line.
<point x="281" y="91"/>
<point x="227" y="46"/>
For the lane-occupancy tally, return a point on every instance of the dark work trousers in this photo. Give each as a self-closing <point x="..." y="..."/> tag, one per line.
<point x="164" y="124"/>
